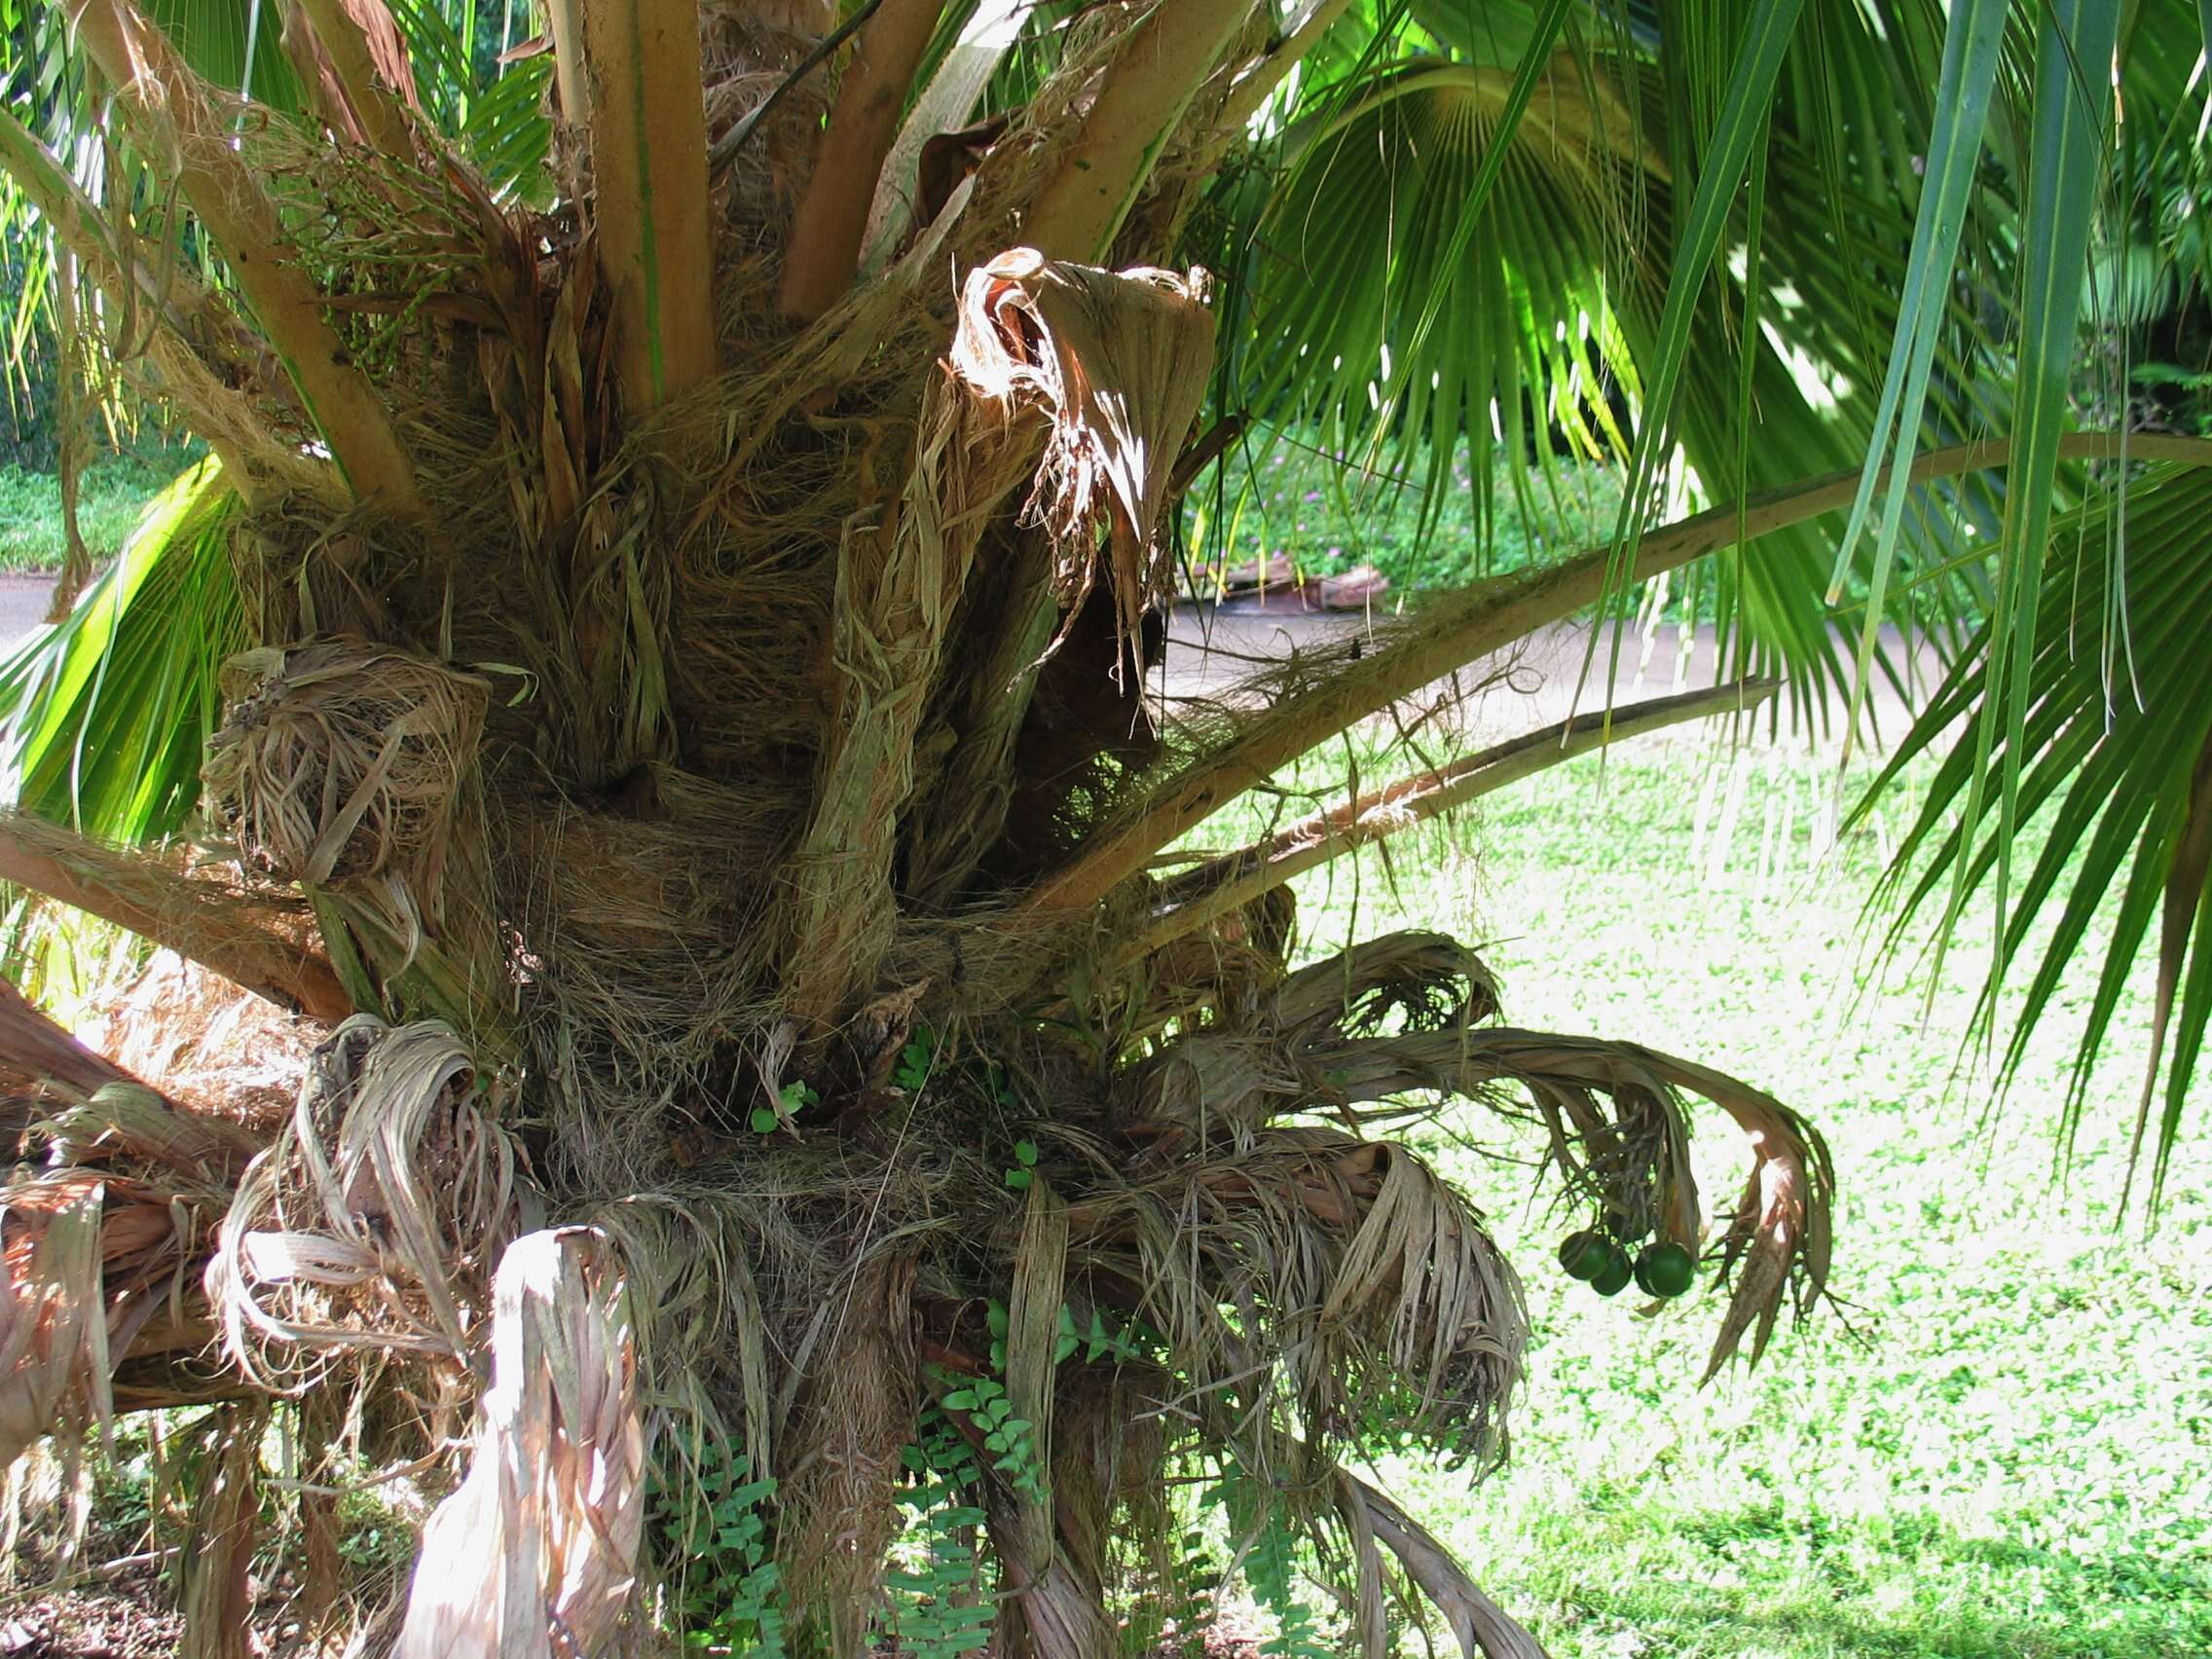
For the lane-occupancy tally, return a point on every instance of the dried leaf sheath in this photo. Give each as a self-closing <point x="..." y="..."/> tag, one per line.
<point x="1119" y="364"/>
<point x="535" y="1556"/>
<point x="53" y="1357"/>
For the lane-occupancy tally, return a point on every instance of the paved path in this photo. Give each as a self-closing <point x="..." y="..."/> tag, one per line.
<point x="22" y="604"/>
<point x="1209" y="649"/>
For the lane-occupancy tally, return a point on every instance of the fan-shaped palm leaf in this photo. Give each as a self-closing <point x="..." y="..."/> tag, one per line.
<point x="2111" y="733"/>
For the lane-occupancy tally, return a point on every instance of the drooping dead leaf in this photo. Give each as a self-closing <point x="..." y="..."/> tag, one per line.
<point x="88" y="1258"/>
<point x="1782" y="1234"/>
<point x="374" y="1220"/>
<point x="1620" y="1141"/>
<point x="1118" y="362"/>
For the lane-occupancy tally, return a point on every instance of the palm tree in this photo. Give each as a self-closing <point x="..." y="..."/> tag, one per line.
<point x="659" y="643"/>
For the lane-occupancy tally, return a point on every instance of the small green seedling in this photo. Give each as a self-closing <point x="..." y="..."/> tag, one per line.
<point x="767" y="1120"/>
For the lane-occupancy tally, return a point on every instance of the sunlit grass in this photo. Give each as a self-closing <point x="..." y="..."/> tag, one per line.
<point x="1287" y="496"/>
<point x="111" y="494"/>
<point x="2001" y="1445"/>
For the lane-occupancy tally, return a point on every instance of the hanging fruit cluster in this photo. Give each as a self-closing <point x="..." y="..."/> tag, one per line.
<point x="1661" y="1268"/>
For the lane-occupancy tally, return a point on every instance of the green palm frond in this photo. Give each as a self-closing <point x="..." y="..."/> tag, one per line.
<point x="103" y="715"/>
<point x="2110" y="733"/>
<point x="236" y="45"/>
<point x="1410" y="269"/>
<point x="1536" y="214"/>
<point x="497" y="119"/>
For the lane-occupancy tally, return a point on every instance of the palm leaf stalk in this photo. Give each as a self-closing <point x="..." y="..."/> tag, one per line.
<point x="696" y="696"/>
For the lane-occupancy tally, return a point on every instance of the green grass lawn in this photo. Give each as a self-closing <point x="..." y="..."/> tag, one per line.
<point x="2001" y="1448"/>
<point x="113" y="491"/>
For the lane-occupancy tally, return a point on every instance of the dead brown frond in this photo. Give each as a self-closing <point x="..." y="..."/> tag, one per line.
<point x="1619" y="1138"/>
<point x="342" y="762"/>
<point x="53" y="1352"/>
<point x="1304" y="1277"/>
<point x="374" y="1221"/>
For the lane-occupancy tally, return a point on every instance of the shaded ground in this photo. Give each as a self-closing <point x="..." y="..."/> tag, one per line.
<point x="127" y="1616"/>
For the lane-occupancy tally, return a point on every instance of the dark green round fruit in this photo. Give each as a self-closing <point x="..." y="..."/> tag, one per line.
<point x="1665" y="1269"/>
<point x="1613" y="1277"/>
<point x="1584" y="1255"/>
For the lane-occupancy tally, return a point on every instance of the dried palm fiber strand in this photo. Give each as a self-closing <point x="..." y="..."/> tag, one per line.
<point x="534" y="1555"/>
<point x="747" y="54"/>
<point x="374" y="1220"/>
<point x="223" y="1055"/>
<point x="703" y="1336"/>
<point x="95" y="1265"/>
<point x="1119" y="362"/>
<point x="342" y="761"/>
